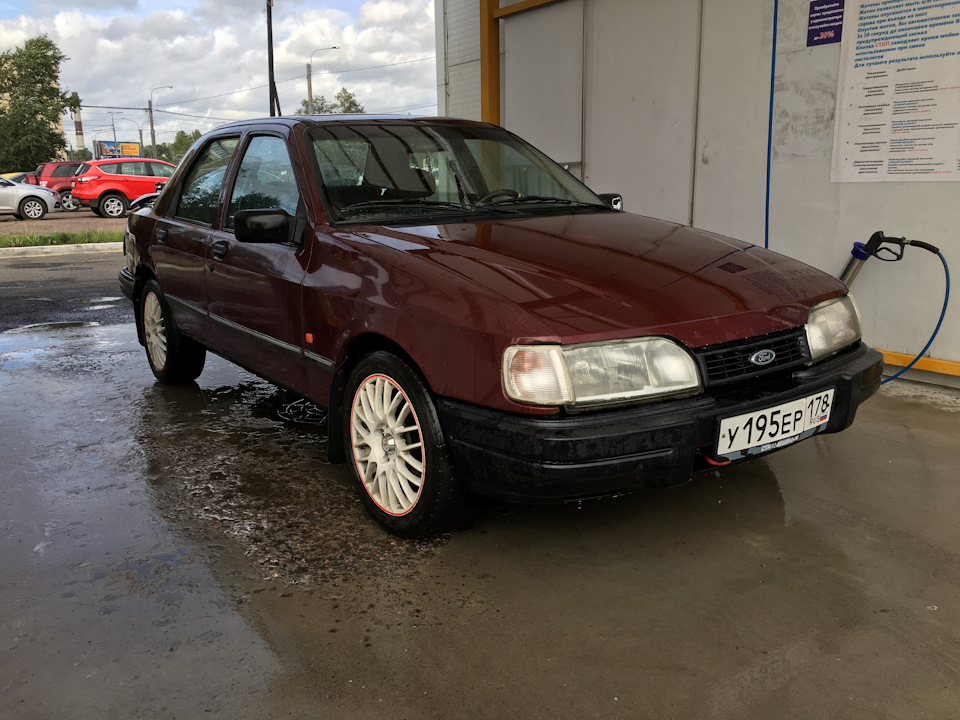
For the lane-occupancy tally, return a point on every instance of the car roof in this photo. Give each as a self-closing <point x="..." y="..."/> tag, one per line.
<point x="292" y="120"/>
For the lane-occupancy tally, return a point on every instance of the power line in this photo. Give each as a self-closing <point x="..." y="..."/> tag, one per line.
<point x="298" y="77"/>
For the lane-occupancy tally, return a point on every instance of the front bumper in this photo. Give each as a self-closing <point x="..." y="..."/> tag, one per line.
<point x="549" y="459"/>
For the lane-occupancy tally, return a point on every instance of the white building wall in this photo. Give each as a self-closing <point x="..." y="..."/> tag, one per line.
<point x="675" y="102"/>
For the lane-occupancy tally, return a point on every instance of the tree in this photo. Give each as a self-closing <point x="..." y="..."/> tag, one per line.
<point x="80" y="154"/>
<point x="181" y="143"/>
<point x="30" y="120"/>
<point x="345" y="102"/>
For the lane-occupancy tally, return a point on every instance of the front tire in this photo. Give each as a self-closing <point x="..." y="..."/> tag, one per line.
<point x="32" y="209"/>
<point x="400" y="463"/>
<point x="173" y="358"/>
<point x="114" y="206"/>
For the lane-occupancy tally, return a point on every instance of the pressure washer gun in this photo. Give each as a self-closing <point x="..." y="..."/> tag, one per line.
<point x="888" y="249"/>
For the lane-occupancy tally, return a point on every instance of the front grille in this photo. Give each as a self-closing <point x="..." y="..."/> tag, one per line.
<point x="730" y="361"/>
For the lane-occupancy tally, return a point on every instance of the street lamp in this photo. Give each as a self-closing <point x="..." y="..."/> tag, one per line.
<point x="139" y="128"/>
<point x="153" y="135"/>
<point x="310" y="77"/>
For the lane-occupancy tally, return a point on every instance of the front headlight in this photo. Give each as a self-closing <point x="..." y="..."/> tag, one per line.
<point x="832" y="326"/>
<point x="598" y="373"/>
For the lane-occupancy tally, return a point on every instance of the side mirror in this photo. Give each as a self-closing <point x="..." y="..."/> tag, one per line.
<point x="262" y="226"/>
<point x="614" y="200"/>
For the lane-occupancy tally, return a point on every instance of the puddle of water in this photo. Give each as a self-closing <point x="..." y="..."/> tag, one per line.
<point x="98" y="300"/>
<point x="46" y="327"/>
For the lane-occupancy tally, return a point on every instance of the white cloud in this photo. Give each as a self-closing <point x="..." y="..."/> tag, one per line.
<point x="119" y="50"/>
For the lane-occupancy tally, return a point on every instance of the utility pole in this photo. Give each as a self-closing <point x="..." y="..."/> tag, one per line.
<point x="309" y="89"/>
<point x="274" y="104"/>
<point x="153" y="135"/>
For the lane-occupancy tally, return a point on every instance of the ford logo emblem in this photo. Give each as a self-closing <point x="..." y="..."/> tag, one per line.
<point x="763" y="357"/>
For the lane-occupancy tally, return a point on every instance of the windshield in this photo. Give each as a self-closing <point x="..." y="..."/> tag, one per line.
<point x="407" y="171"/>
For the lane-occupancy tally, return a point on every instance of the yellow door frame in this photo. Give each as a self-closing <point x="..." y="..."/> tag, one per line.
<point x="490" y="15"/>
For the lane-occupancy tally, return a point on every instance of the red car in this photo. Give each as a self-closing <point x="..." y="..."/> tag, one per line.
<point x="58" y="176"/>
<point x="476" y="319"/>
<point x="109" y="186"/>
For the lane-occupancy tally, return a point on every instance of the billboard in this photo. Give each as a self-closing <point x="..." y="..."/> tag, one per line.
<point x="110" y="149"/>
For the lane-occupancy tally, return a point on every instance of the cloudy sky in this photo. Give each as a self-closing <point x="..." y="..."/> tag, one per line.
<point x="214" y="54"/>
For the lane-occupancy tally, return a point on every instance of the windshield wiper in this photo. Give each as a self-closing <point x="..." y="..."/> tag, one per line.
<point x="415" y="203"/>
<point x="542" y="200"/>
<point x="400" y="202"/>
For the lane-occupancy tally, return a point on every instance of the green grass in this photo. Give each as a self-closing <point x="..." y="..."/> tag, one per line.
<point x="63" y="238"/>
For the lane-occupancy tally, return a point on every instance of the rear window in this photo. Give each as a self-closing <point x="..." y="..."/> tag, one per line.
<point x="161" y="170"/>
<point x="65" y="170"/>
<point x="82" y="169"/>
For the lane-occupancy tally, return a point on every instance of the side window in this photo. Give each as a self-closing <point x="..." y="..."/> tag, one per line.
<point x="64" y="170"/>
<point x="265" y="179"/>
<point x="201" y="188"/>
<point x="161" y="170"/>
<point x="112" y="168"/>
<point x="135" y="168"/>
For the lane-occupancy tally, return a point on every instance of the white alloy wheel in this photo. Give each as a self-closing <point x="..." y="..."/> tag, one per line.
<point x="387" y="444"/>
<point x="155" y="331"/>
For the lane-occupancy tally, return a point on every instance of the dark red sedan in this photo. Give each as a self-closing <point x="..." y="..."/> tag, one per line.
<point x="477" y="320"/>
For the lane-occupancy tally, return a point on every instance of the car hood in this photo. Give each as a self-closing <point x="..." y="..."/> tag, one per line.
<point x="598" y="276"/>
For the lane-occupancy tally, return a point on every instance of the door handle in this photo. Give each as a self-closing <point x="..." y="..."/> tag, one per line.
<point x="219" y="250"/>
<point x="161" y="234"/>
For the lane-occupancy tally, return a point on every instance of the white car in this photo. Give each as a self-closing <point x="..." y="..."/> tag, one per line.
<point x="26" y="202"/>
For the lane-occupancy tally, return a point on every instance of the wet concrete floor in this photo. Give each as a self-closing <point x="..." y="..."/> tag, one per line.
<point x="185" y="552"/>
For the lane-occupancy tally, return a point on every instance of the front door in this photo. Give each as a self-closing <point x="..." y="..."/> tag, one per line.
<point x="254" y="289"/>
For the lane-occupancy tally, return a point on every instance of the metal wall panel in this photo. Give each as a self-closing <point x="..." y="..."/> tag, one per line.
<point x="543" y="79"/>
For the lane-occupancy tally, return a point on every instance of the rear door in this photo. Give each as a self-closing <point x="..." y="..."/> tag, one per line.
<point x="254" y="289"/>
<point x="181" y="239"/>
<point x="137" y="179"/>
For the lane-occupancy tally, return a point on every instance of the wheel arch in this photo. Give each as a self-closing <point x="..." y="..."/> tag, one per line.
<point x="358" y="348"/>
<point x="112" y="191"/>
<point x="143" y="276"/>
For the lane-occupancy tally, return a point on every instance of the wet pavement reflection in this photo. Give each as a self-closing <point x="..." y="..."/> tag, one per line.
<point x="178" y="552"/>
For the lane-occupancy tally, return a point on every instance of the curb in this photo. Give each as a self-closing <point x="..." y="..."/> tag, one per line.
<point x="41" y="250"/>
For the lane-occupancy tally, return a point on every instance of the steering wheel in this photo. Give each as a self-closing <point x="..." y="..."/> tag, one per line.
<point x="494" y="194"/>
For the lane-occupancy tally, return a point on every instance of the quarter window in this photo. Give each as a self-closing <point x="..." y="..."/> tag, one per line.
<point x="201" y="189"/>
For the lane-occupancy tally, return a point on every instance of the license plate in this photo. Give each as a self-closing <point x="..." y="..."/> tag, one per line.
<point x="775" y="427"/>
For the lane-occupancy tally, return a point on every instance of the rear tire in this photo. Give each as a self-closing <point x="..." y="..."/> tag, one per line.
<point x="68" y="202"/>
<point x="32" y="208"/>
<point x="113" y="205"/>
<point x="174" y="358"/>
<point x="400" y="464"/>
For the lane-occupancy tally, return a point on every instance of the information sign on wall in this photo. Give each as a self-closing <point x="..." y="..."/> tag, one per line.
<point x="898" y="102"/>
<point x="826" y="22"/>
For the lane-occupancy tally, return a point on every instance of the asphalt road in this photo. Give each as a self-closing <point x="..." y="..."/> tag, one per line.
<point x="185" y="552"/>
<point x="68" y="287"/>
